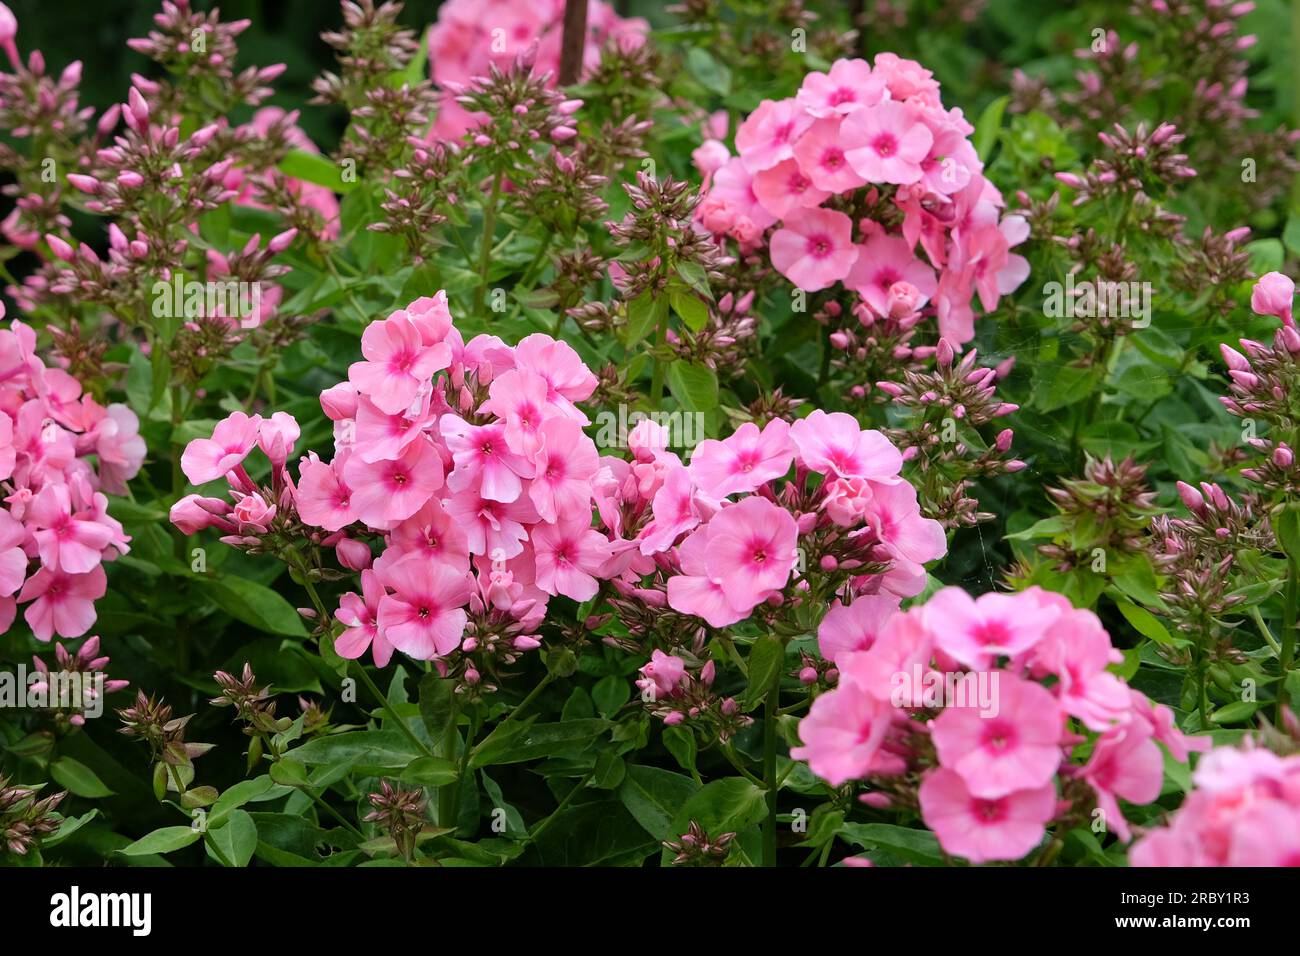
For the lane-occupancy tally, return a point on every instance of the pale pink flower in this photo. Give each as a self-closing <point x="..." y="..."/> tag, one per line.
<point x="676" y="508"/>
<point x="483" y="460"/>
<point x="842" y="735"/>
<point x="1125" y="763"/>
<point x="1018" y="748"/>
<point x="743" y="461"/>
<point x="397" y="363"/>
<point x="847" y="500"/>
<point x="386" y="492"/>
<point x="193" y="513"/>
<point x="854" y="627"/>
<point x="750" y="550"/>
<point x="324" y="497"/>
<point x="424" y="617"/>
<point x="360" y="617"/>
<point x="849" y="85"/>
<point x="820" y="154"/>
<point x="768" y="134"/>
<point x="276" y="437"/>
<point x="977" y="631"/>
<point x="886" y="143"/>
<point x="519" y="398"/>
<point x="566" y="462"/>
<point x="492" y="526"/>
<point x="835" y="444"/>
<point x="661" y="675"/>
<point x="694" y="591"/>
<point x="982" y="830"/>
<point x="62" y="603"/>
<point x="568" y="557"/>
<point x="206" y="459"/>
<point x="253" y="515"/>
<point x="433" y="534"/>
<point x="567" y="377"/>
<point x="785" y="190"/>
<point x="71" y="541"/>
<point x="814" y="250"/>
<point x="1274" y="294"/>
<point x="882" y="262"/>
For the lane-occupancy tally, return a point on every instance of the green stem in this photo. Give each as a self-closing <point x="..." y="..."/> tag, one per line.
<point x="1286" y="653"/>
<point x="740" y="768"/>
<point x="657" y="372"/>
<point x="396" y="718"/>
<point x="520" y="707"/>
<point x="1202" y="678"/>
<point x="770" y="708"/>
<point x="1264" y="632"/>
<point x="568" y="797"/>
<point x="447" y="792"/>
<point x="485" y="249"/>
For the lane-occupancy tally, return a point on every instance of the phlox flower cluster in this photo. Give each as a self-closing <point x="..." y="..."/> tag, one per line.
<point x="994" y="769"/>
<point x="60" y="450"/>
<point x="477" y="487"/>
<point x="1244" y="811"/>
<point x="863" y="178"/>
<point x="763" y="524"/>
<point x="470" y="36"/>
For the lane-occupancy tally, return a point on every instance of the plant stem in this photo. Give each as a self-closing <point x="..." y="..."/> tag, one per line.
<point x="740" y="768"/>
<point x="420" y="745"/>
<point x="562" y="804"/>
<point x="1286" y="654"/>
<point x="447" y="792"/>
<point x="485" y="249"/>
<point x="770" y="708"/>
<point x="1264" y="632"/>
<point x="657" y="371"/>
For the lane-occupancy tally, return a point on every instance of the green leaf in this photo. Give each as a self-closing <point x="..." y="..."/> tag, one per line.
<point x="1144" y="622"/>
<point x="610" y="693"/>
<point x="429" y="772"/>
<point x="1235" y="713"/>
<point x="914" y="846"/>
<point x="693" y="312"/>
<point x="246" y="791"/>
<point x="694" y="386"/>
<point x="654" y="796"/>
<point x="389" y="749"/>
<point x="314" y="168"/>
<point x="288" y="772"/>
<point x="165" y="840"/>
<point x="237" y="839"/>
<point x="1066" y="385"/>
<point x="254" y="604"/>
<point x="67" y="828"/>
<point x="693" y="274"/>
<point x="77" y="777"/>
<point x="644" y="313"/>
<point x="988" y="127"/>
<point x="766" y="657"/>
<point x="729" y="805"/>
<point x="436" y="710"/>
<point x="561" y="740"/>
<point x="710" y="73"/>
<point x="1287" y="527"/>
<point x="680" y="742"/>
<point x="1043" y="528"/>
